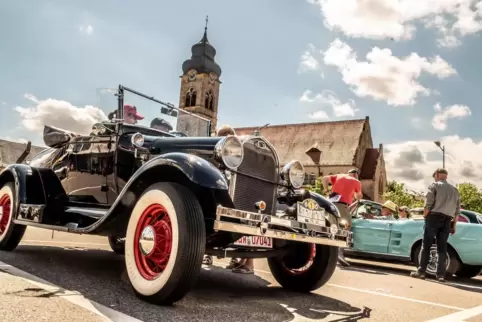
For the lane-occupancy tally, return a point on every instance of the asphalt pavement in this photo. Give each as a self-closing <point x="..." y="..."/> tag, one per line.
<point x="84" y="268"/>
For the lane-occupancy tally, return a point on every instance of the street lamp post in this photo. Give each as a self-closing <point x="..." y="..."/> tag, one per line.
<point x="441" y="147"/>
<point x="256" y="132"/>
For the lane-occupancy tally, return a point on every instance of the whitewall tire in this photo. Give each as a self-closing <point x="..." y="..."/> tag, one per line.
<point x="165" y="243"/>
<point x="10" y="233"/>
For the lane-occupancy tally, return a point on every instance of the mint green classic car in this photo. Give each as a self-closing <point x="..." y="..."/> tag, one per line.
<point x="401" y="241"/>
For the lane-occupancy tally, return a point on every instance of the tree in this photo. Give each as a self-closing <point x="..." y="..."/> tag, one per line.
<point x="318" y="187"/>
<point x="397" y="193"/>
<point x="470" y="197"/>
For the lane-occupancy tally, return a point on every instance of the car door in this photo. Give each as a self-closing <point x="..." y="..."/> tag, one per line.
<point x="370" y="235"/>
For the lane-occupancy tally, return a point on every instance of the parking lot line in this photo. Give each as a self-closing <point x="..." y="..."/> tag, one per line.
<point x="375" y="293"/>
<point x="460" y="316"/>
<point x="61" y="242"/>
<point x="74" y="297"/>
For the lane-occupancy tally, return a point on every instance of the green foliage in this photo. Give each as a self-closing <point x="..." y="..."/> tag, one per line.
<point x="318" y="187"/>
<point x="470" y="197"/>
<point x="397" y="193"/>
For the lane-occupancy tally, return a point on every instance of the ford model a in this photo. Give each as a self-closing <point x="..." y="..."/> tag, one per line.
<point x="165" y="200"/>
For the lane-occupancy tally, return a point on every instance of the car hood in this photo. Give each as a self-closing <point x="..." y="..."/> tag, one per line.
<point x="161" y="145"/>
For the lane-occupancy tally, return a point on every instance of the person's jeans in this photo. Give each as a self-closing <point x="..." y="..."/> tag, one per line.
<point x="437" y="226"/>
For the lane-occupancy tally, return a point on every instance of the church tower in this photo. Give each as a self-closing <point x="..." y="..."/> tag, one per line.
<point x="199" y="89"/>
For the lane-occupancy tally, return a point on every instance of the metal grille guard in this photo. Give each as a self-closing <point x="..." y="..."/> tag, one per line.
<point x="256" y="224"/>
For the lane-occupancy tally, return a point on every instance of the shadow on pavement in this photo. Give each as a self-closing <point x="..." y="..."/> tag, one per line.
<point x="219" y="294"/>
<point x="355" y="269"/>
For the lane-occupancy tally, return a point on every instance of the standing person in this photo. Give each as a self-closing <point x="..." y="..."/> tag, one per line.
<point x="441" y="211"/>
<point x="348" y="187"/>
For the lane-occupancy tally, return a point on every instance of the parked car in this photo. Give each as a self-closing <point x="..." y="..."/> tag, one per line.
<point x="401" y="240"/>
<point x="164" y="201"/>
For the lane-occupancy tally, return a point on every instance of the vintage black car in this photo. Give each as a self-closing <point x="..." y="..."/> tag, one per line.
<point x="165" y="201"/>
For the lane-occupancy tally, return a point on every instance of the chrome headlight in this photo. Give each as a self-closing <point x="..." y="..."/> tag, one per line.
<point x="230" y="151"/>
<point x="137" y="140"/>
<point x="294" y="173"/>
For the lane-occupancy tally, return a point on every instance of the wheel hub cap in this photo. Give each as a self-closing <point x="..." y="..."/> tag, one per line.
<point x="147" y="240"/>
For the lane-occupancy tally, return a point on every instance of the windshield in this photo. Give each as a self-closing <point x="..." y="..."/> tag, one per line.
<point x="368" y="209"/>
<point x="145" y="110"/>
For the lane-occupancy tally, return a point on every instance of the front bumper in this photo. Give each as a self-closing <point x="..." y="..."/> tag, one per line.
<point x="256" y="224"/>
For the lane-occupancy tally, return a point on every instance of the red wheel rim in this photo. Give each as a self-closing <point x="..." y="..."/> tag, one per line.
<point x="151" y="265"/>
<point x="308" y="264"/>
<point x="6" y="204"/>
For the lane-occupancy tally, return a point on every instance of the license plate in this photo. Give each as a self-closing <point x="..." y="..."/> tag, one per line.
<point x="311" y="213"/>
<point x="255" y="241"/>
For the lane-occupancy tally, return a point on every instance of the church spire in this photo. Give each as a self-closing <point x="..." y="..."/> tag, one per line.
<point x="202" y="56"/>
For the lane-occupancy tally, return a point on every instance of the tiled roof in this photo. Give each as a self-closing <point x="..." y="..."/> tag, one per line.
<point x="11" y="151"/>
<point x="369" y="166"/>
<point x="337" y="140"/>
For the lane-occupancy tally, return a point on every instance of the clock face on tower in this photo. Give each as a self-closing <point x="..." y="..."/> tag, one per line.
<point x="191" y="75"/>
<point x="212" y="77"/>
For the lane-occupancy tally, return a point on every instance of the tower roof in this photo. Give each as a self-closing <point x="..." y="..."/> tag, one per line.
<point x="202" y="57"/>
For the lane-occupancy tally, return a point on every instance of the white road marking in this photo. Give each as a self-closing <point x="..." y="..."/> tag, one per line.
<point x="74" y="297"/>
<point x="378" y="293"/>
<point x="60" y="242"/>
<point x="461" y="316"/>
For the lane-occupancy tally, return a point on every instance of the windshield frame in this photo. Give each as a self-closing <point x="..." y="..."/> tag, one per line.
<point x="120" y="106"/>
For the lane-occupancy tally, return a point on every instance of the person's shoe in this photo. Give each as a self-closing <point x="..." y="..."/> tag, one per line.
<point x="440" y="279"/>
<point x="343" y="261"/>
<point x="233" y="263"/>
<point x="417" y="274"/>
<point x="207" y="260"/>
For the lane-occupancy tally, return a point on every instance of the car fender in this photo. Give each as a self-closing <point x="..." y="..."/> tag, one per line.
<point x="196" y="169"/>
<point x="325" y="203"/>
<point x="26" y="184"/>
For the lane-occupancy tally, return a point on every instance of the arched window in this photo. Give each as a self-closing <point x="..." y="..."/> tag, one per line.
<point x="209" y="100"/>
<point x="190" y="98"/>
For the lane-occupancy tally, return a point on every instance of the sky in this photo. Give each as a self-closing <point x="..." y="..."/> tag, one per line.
<point x="412" y="66"/>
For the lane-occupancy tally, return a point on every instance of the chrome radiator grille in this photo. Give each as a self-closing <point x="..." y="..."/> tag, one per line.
<point x="259" y="162"/>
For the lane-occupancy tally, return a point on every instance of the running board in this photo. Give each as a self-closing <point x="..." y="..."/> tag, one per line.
<point x="94" y="213"/>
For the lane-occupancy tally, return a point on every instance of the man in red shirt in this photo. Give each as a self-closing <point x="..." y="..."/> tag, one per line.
<point x="345" y="188"/>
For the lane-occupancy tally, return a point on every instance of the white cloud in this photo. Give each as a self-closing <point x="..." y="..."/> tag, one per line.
<point x="88" y="29"/>
<point x="396" y="19"/>
<point x="442" y="115"/>
<point x="328" y="98"/>
<point x="4" y="103"/>
<point x="308" y="61"/>
<point x="414" y="162"/>
<point x="319" y="115"/>
<point x="60" y="114"/>
<point x="383" y="76"/>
